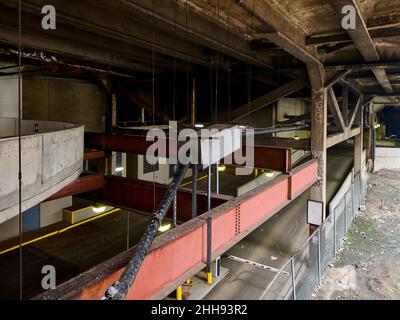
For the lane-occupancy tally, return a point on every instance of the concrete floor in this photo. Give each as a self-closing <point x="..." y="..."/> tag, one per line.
<point x="276" y="240"/>
<point x="71" y="253"/>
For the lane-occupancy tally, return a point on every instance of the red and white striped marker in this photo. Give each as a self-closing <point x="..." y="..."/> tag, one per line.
<point x="255" y="264"/>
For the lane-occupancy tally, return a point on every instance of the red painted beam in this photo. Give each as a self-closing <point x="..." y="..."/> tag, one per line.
<point x="265" y="157"/>
<point x="84" y="183"/>
<point x="182" y="251"/>
<point x="94" y="154"/>
<point x="139" y="195"/>
<point x="120" y="143"/>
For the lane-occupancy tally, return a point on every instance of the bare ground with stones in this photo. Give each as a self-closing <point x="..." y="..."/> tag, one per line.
<point x="368" y="266"/>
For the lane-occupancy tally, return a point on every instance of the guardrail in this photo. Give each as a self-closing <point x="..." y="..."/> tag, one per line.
<point x="302" y="273"/>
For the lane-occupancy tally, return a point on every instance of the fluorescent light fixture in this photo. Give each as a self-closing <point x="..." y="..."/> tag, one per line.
<point x="164" y="228"/>
<point x="119" y="169"/>
<point x="221" y="168"/>
<point x="98" y="208"/>
<point x="269" y="173"/>
<point x="199" y="125"/>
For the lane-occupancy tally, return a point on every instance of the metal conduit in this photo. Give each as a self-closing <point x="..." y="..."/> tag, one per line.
<point x="119" y="290"/>
<point x="262" y="131"/>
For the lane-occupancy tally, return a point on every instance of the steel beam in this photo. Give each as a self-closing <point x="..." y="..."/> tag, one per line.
<point x="85" y="183"/>
<point x="335" y="110"/>
<point x="273" y="158"/>
<point x="140" y="196"/>
<point x="364" y="66"/>
<point x="190" y="25"/>
<point x="268" y="99"/>
<point x="355" y="112"/>
<point x="277" y="29"/>
<point x="319" y="121"/>
<point x="94" y="154"/>
<point x="121" y="143"/>
<point x="265" y="157"/>
<point x="302" y="144"/>
<point x="363" y="42"/>
<point x="183" y="249"/>
<point x="345" y="38"/>
<point x="145" y="105"/>
<point x="340" y="137"/>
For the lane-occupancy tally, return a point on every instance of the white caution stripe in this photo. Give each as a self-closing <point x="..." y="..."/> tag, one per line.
<point x="255" y="264"/>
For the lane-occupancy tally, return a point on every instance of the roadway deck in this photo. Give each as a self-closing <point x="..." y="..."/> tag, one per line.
<point x="277" y="239"/>
<point x="81" y="248"/>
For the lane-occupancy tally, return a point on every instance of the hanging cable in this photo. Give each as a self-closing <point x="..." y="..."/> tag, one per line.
<point x="119" y="290"/>
<point x="153" y="98"/>
<point x="20" y="146"/>
<point x="217" y="66"/>
<point x="174" y="73"/>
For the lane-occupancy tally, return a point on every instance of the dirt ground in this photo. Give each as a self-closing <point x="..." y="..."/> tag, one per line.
<point x="368" y="266"/>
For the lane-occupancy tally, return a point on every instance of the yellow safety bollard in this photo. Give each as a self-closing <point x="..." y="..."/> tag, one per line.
<point x="179" y="295"/>
<point x="209" y="278"/>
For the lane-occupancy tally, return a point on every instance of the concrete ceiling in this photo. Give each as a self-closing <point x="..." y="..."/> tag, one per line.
<point x="123" y="33"/>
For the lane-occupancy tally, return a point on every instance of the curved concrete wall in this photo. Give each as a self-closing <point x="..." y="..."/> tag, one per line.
<point x="51" y="159"/>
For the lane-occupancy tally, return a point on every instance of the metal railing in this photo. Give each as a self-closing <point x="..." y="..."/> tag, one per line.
<point x="302" y="273"/>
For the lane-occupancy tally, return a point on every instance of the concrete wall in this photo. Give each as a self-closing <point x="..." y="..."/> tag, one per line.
<point x="66" y="100"/>
<point x="9" y="229"/>
<point x="8" y="97"/>
<point x="50" y="161"/>
<point x="387" y="158"/>
<point x="52" y="211"/>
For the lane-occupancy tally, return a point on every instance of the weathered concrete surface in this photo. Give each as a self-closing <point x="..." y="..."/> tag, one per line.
<point x="387" y="158"/>
<point x="50" y="161"/>
<point x="368" y="266"/>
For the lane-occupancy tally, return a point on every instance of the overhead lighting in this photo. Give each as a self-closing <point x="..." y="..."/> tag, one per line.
<point x="269" y="173"/>
<point x="164" y="228"/>
<point x="296" y="138"/>
<point x="199" y="125"/>
<point x="377" y="126"/>
<point x="221" y="168"/>
<point x="98" y="208"/>
<point x="119" y="169"/>
<point x="242" y="127"/>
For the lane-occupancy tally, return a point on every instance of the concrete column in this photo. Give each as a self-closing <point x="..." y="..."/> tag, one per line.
<point x="318" y="141"/>
<point x="358" y="144"/>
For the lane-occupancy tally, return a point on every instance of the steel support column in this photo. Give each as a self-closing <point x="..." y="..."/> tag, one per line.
<point x="318" y="140"/>
<point x="358" y="144"/>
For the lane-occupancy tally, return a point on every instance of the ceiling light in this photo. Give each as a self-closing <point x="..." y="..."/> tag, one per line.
<point x="98" y="208"/>
<point x="269" y="173"/>
<point x="296" y="138"/>
<point x="164" y="228"/>
<point x="199" y="125"/>
<point x="119" y="169"/>
<point x="377" y="126"/>
<point x="221" y="168"/>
